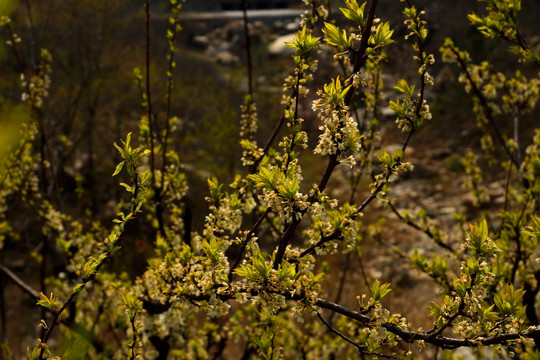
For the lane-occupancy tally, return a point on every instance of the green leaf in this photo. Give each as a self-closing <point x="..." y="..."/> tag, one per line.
<point x="120" y="150"/>
<point x="488" y="315"/>
<point x="404" y="87"/>
<point x="246" y="271"/>
<point x="126" y="143"/>
<point x="77" y="289"/>
<point x="508" y="301"/>
<point x="119" y="168"/>
<point x="286" y="271"/>
<point x="289" y="188"/>
<point x="212" y="249"/>
<point x="435" y="309"/>
<point x="460" y="288"/>
<point x="337" y="38"/>
<point x="533" y="229"/>
<point x="479" y="241"/>
<point x="36" y="352"/>
<point x="335" y="91"/>
<point x="44" y="301"/>
<point x="128" y="187"/>
<point x="382" y="36"/>
<point x="266" y="178"/>
<point x="259" y="270"/>
<point x="215" y="189"/>
<point x="354" y="12"/>
<point x="420" y="262"/>
<point x="303" y="42"/>
<point x="379" y="291"/>
<point x="51" y="302"/>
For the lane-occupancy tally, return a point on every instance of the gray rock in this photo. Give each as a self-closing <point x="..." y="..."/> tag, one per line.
<point x="278" y="47"/>
<point x="292" y="26"/>
<point x="278" y="24"/>
<point x="201" y="40"/>
<point x="227" y="58"/>
<point x="387" y="112"/>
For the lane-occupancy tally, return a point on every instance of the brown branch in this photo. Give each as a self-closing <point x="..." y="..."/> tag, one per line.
<point x="284" y="241"/>
<point x="341" y="286"/>
<point x="268" y="144"/>
<point x="19" y="282"/>
<point x="361" y="348"/>
<point x="170" y="85"/>
<point x="487" y="112"/>
<point x="18" y="57"/>
<point x="248" y="48"/>
<point x="246" y="241"/>
<point x="133" y="343"/>
<point x="336" y="235"/>
<point x="84" y="281"/>
<point x="414" y="225"/>
<point x="33" y="49"/>
<point x="289" y="233"/>
<point x="436" y="332"/>
<point x="440" y="341"/>
<point x="406" y="335"/>
<point x="73" y="326"/>
<point x="361" y="55"/>
<point x="151" y="124"/>
<point x="148" y="92"/>
<point x="519" y="40"/>
<point x="360" y="60"/>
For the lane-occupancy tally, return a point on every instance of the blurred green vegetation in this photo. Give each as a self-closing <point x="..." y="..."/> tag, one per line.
<point x="93" y="102"/>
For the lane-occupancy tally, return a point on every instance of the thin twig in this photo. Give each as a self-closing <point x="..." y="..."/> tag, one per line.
<point x="134" y="208"/>
<point x="268" y="144"/>
<point x="13" y="41"/>
<point x="19" y="282"/>
<point x="152" y="124"/>
<point x="73" y="326"/>
<point x="341" y="285"/>
<point x="487" y="111"/>
<point x="248" y="49"/>
<point x="170" y="85"/>
<point x="33" y="50"/>
<point x="246" y="241"/>
<point x="361" y="348"/>
<point x="148" y="92"/>
<point x="414" y="225"/>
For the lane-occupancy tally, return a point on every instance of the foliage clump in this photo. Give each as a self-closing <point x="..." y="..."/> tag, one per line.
<point x="255" y="280"/>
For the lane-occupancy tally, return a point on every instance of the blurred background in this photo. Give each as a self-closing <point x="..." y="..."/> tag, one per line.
<point x="94" y="101"/>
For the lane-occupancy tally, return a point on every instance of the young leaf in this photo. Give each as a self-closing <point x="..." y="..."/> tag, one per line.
<point x="337" y="38"/>
<point x="354" y="12"/>
<point x="119" y="168"/>
<point x="379" y="291"/>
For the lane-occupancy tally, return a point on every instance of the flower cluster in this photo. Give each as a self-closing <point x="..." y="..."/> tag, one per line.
<point x="38" y="88"/>
<point x="340" y="131"/>
<point x="266" y="252"/>
<point x="227" y="216"/>
<point x="310" y="17"/>
<point x="281" y="191"/>
<point x="248" y="128"/>
<point x="248" y="123"/>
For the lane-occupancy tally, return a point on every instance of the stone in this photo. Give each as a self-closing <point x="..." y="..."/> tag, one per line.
<point x="201" y="40"/>
<point x="278" y="47"/>
<point x="292" y="26"/>
<point x="227" y="58"/>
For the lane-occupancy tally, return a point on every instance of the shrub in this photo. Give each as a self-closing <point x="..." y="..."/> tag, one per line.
<point x="264" y="277"/>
